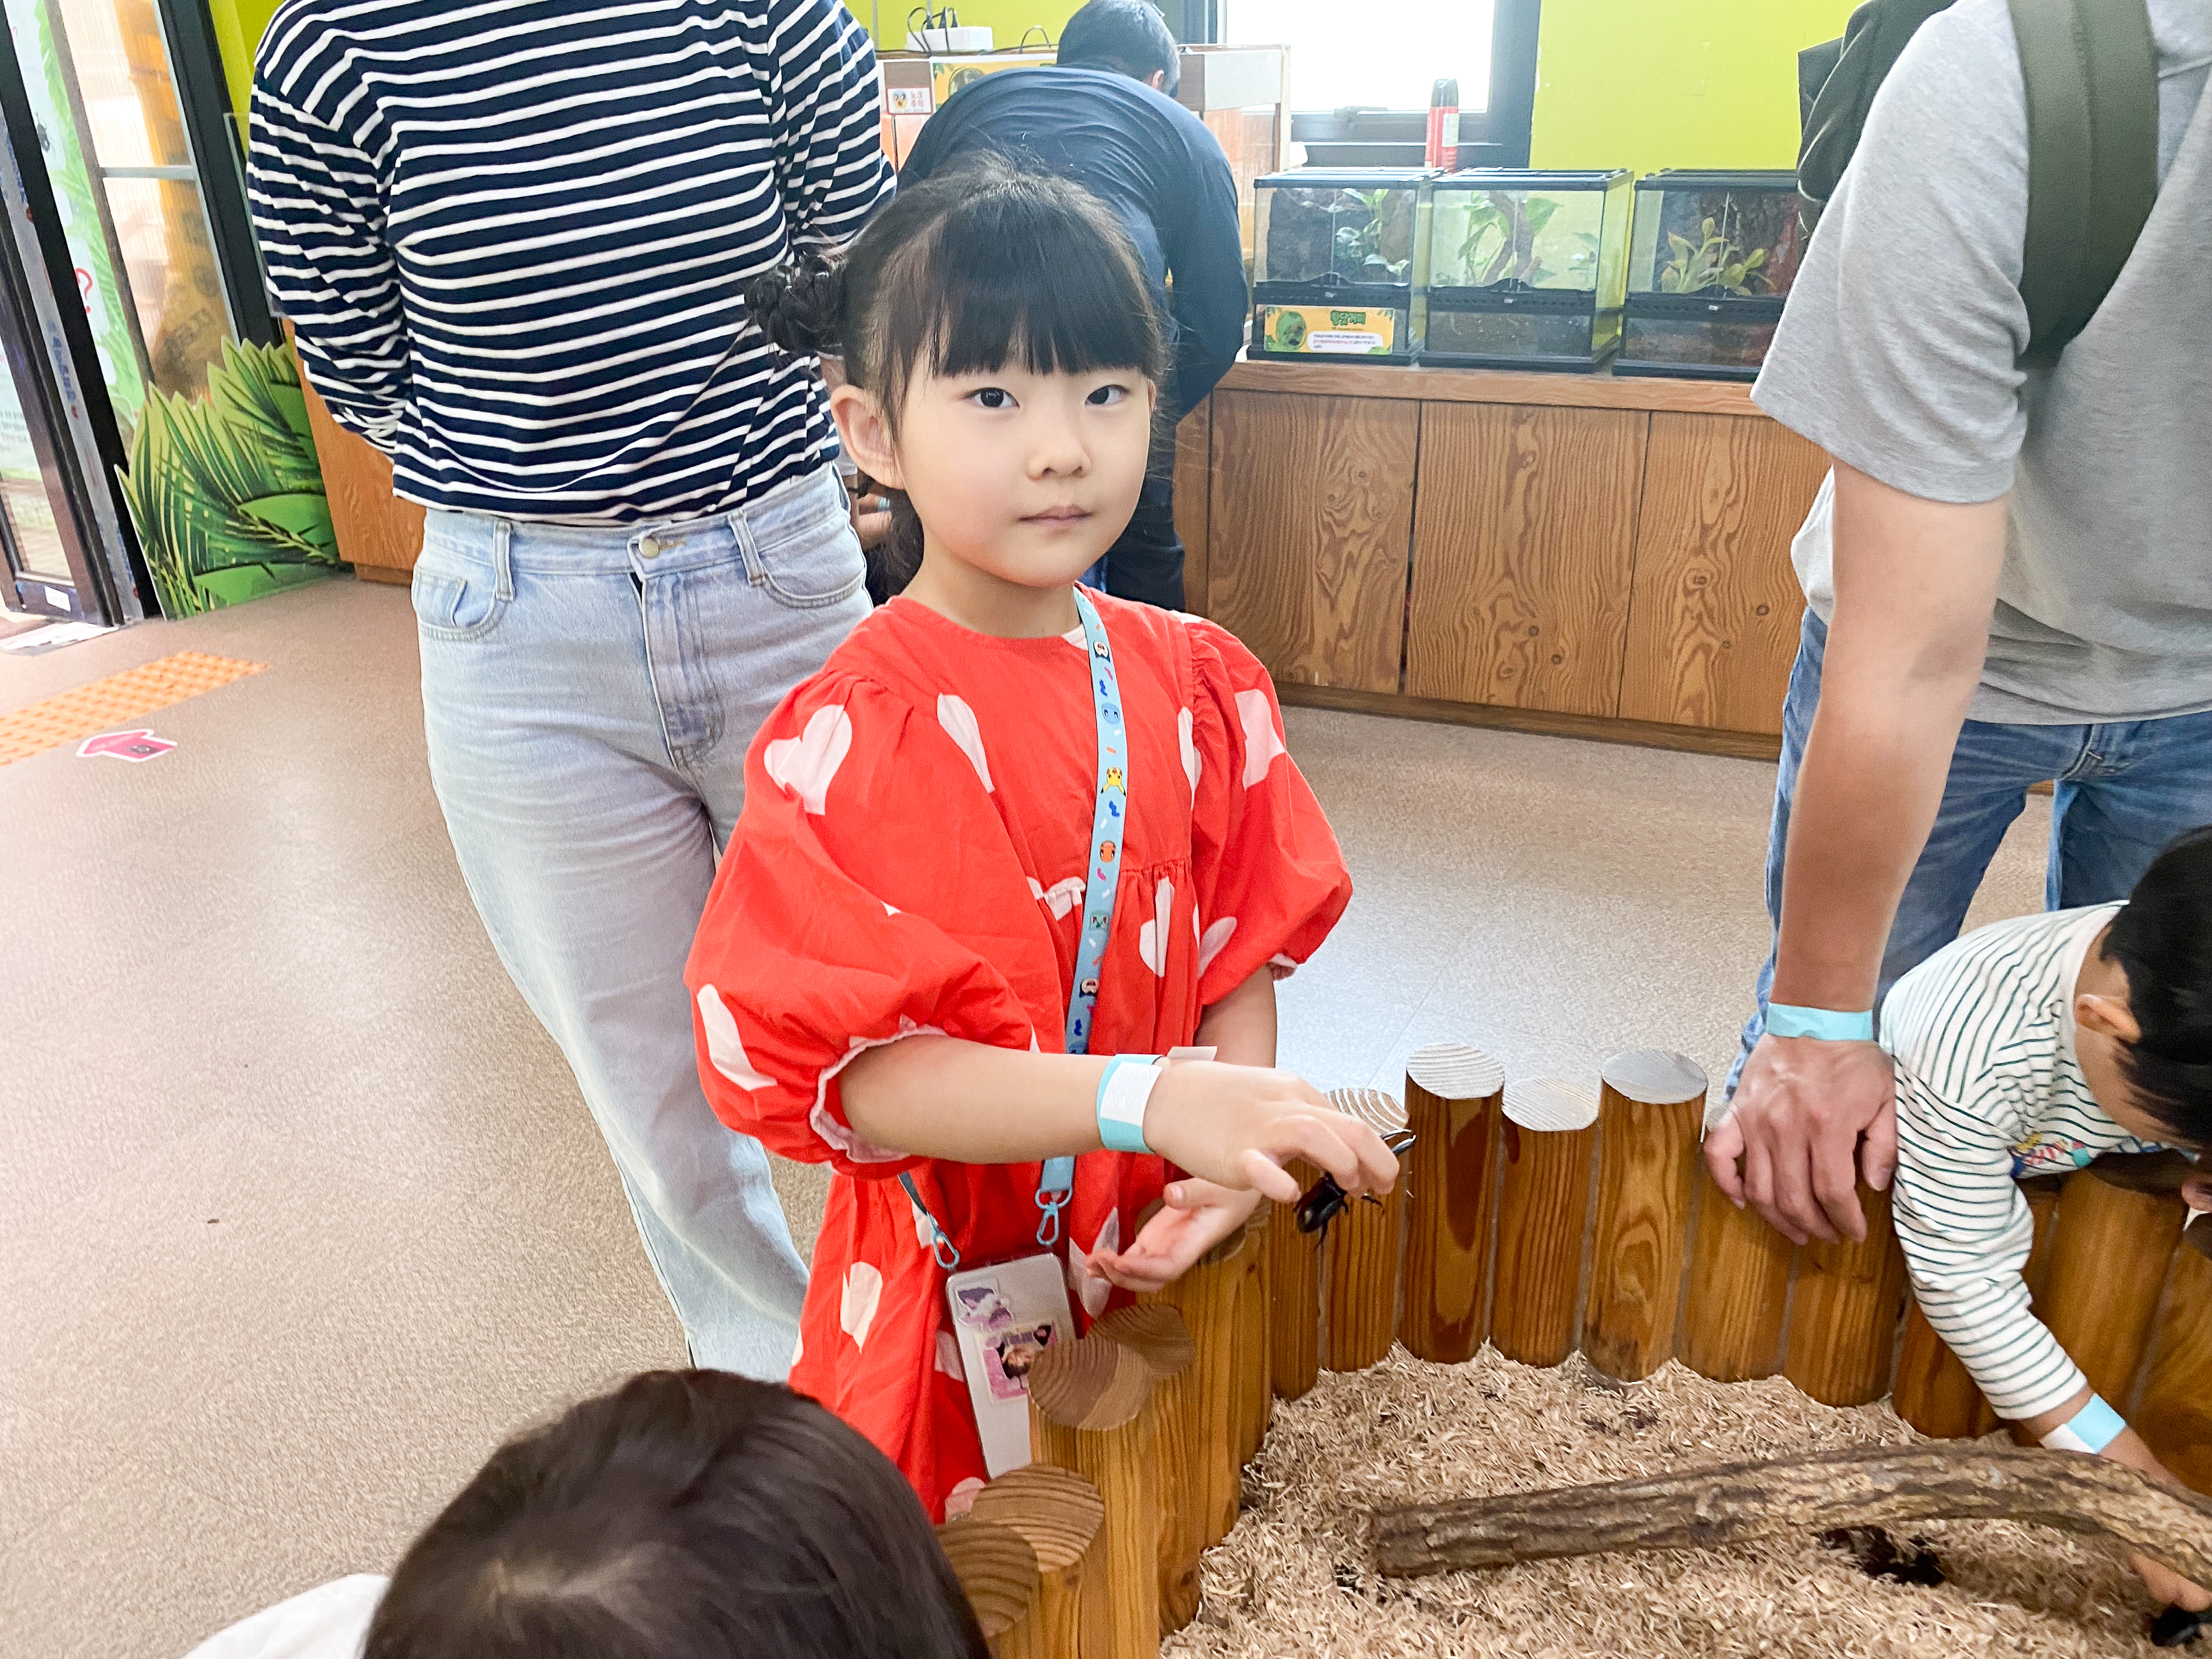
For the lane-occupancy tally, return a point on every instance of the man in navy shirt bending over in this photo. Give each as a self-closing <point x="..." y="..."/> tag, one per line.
<point x="1105" y="116"/>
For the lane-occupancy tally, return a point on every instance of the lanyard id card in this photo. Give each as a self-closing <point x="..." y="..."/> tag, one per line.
<point x="1004" y="1318"/>
<point x="1008" y="1313"/>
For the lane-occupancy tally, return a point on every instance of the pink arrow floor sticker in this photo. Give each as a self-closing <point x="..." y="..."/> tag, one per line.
<point x="126" y="745"/>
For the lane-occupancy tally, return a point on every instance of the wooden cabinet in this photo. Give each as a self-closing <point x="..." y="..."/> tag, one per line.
<point x="1716" y="606"/>
<point x="1325" y="485"/>
<point x="1522" y="545"/>
<point x="1568" y="553"/>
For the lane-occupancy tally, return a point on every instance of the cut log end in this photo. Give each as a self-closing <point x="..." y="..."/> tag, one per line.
<point x="1455" y="1071"/>
<point x="996" y="1567"/>
<point x="1057" y="1510"/>
<point x="1155" y="1333"/>
<point x="1091" y="1385"/>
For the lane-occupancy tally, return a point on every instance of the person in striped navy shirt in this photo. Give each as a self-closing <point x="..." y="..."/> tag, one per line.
<point x="2030" y="1047"/>
<point x="512" y="237"/>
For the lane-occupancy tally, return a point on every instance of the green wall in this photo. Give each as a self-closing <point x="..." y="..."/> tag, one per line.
<point x="1647" y="84"/>
<point x="1643" y="84"/>
<point x="238" y="25"/>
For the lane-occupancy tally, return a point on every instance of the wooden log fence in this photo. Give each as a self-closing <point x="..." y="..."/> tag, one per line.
<point x="1542" y="1219"/>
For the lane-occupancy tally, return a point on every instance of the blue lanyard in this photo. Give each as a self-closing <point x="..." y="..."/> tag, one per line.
<point x="1108" y="831"/>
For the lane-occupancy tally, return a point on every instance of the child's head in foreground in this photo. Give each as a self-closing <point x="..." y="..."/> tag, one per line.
<point x="2142" y="1005"/>
<point x="1001" y="356"/>
<point x="688" y="1515"/>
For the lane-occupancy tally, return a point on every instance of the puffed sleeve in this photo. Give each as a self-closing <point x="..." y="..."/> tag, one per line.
<point x="1271" y="880"/>
<point x="865" y="843"/>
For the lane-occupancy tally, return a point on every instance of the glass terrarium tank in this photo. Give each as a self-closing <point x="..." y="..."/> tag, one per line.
<point x="1335" y="262"/>
<point x="1711" y="261"/>
<point x="1526" y="269"/>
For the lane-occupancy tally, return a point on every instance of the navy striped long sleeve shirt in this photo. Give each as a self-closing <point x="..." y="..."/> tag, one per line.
<point x="512" y="236"/>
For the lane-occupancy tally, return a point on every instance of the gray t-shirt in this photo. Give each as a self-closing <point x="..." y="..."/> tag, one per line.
<point x="1898" y="354"/>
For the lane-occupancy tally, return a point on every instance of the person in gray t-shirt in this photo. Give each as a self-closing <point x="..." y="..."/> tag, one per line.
<point x="2008" y="576"/>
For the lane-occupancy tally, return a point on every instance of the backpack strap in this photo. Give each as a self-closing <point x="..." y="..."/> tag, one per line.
<point x="1850" y="72"/>
<point x="2092" y="75"/>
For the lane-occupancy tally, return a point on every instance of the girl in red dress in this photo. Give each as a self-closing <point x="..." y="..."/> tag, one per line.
<point x="891" y="974"/>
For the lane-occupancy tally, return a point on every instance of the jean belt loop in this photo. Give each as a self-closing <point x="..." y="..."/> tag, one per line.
<point x="741" y="531"/>
<point x="502" y="557"/>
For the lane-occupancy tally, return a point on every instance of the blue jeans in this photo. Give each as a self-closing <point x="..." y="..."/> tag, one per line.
<point x="2122" y="790"/>
<point x="589" y="695"/>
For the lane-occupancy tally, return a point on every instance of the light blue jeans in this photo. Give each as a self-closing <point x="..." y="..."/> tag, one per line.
<point x="589" y="695"/>
<point x="2122" y="789"/>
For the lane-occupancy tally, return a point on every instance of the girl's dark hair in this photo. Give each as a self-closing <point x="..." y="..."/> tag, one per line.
<point x="981" y="264"/>
<point x="2162" y="940"/>
<point x="688" y="1515"/>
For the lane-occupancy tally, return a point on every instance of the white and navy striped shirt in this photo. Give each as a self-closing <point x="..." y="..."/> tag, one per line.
<point x="512" y="236"/>
<point x="1989" y="1089"/>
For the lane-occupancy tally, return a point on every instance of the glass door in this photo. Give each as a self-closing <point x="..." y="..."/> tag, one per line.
<point x="63" y="543"/>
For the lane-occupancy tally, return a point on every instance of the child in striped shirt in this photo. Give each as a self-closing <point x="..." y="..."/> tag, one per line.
<point x="2028" y="1047"/>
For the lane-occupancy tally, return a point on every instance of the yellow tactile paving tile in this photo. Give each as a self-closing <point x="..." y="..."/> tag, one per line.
<point x="106" y="704"/>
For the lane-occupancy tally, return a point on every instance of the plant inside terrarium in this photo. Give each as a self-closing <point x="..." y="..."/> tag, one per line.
<point x="1499" y="249"/>
<point x="1716" y="259"/>
<point x="1347" y="236"/>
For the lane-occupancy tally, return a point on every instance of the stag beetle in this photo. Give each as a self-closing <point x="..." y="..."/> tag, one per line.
<point x="1325" y="1200"/>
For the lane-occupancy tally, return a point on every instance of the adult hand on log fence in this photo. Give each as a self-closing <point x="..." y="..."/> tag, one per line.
<point x="1810" y="1117"/>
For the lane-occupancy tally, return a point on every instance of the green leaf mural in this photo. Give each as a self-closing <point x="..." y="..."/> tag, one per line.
<point x="225" y="491"/>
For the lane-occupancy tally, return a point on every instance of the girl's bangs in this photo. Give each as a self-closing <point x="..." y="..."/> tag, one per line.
<point x="1026" y="281"/>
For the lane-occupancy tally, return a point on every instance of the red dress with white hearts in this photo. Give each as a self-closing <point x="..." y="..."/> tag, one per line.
<point x="910" y="859"/>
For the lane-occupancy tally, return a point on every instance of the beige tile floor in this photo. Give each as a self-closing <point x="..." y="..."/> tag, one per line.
<point x="299" y="1213"/>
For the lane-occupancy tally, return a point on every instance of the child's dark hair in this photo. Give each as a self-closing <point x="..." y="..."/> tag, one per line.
<point x="978" y="265"/>
<point x="2162" y="940"/>
<point x="688" y="1515"/>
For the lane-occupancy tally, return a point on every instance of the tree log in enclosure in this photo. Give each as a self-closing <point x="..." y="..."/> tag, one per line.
<point x="2108" y="1256"/>
<point x="1843" y="1311"/>
<point x="1157" y="1333"/>
<point x="1362" y="1253"/>
<point x="1060" y="1517"/>
<point x="1739" y="1292"/>
<point x="1865" y="1486"/>
<point x="1091" y="1404"/>
<point x="1294" y="1299"/>
<point x="1651" y="1112"/>
<point x="1546" y="1129"/>
<point x="1453" y="1092"/>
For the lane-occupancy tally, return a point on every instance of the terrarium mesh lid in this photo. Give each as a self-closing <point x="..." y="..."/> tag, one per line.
<point x="1292" y="1580"/>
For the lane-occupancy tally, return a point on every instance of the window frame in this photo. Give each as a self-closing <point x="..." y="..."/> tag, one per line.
<point x="1497" y="134"/>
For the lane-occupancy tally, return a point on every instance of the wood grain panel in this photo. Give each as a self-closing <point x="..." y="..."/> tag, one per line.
<point x="1310" y="524"/>
<point x="1522" y="544"/>
<point x="1194" y="482"/>
<point x="379" y="534"/>
<point x="1491" y="386"/>
<point x="1713" y="625"/>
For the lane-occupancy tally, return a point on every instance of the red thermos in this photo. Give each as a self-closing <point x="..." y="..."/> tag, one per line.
<point x="1444" y="126"/>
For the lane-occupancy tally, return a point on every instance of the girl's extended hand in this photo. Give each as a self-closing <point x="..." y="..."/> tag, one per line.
<point x="1238" y="1125"/>
<point x="1197" y="1216"/>
<point x="2169" y="1587"/>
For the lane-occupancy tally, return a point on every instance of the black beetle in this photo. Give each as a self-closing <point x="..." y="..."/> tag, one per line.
<point x="1325" y="1200"/>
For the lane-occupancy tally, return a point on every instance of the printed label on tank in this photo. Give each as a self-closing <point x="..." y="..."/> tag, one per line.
<point x="1354" y="331"/>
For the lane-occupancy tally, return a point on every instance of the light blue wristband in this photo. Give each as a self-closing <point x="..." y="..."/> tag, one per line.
<point x="1123" y="1093"/>
<point x="2092" y="1429"/>
<point x="1826" y="1024"/>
